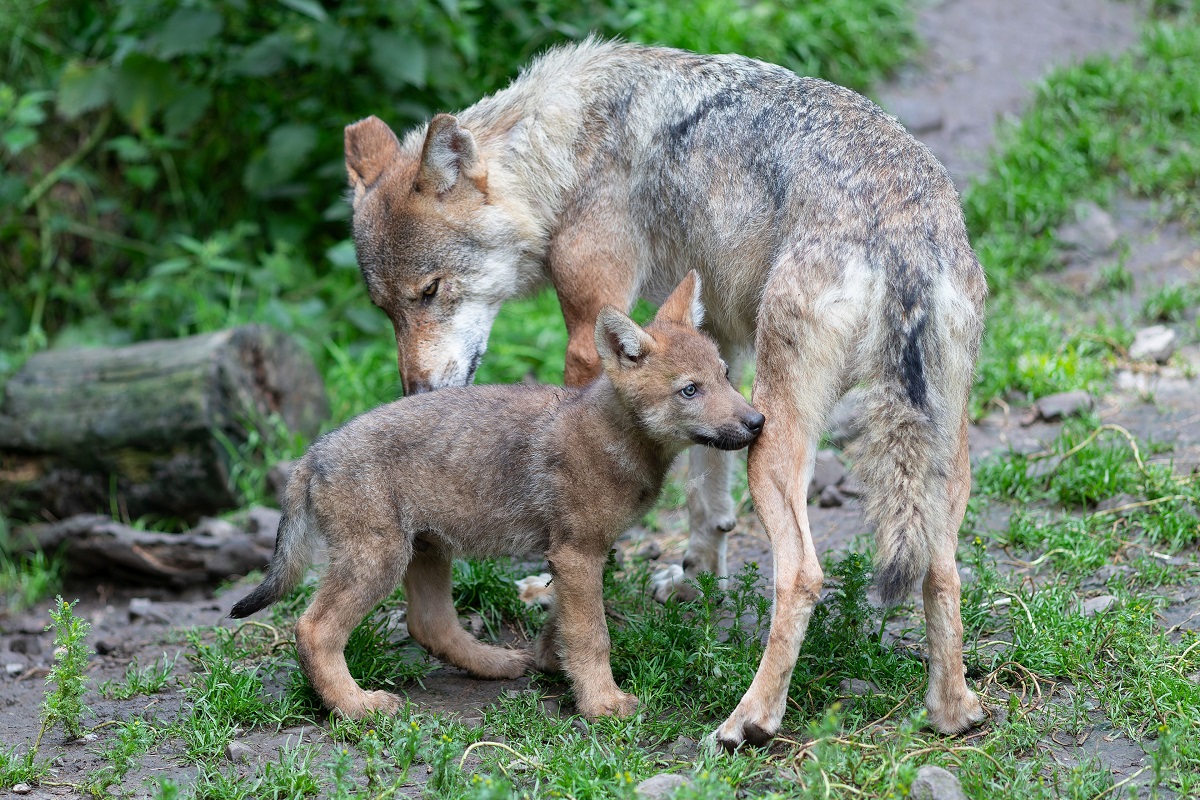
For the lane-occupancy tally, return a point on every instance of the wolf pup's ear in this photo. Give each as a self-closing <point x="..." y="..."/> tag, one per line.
<point x="619" y="340"/>
<point x="370" y="147"/>
<point x="448" y="156"/>
<point x="683" y="306"/>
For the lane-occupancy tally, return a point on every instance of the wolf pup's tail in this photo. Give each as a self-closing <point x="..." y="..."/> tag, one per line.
<point x="913" y="408"/>
<point x="293" y="547"/>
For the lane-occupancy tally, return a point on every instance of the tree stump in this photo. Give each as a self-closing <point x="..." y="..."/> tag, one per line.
<point x="153" y="428"/>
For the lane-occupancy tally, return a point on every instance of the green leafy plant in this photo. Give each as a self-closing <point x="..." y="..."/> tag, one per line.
<point x="64" y="703"/>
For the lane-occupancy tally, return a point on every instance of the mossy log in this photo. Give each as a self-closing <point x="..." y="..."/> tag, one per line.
<point x="152" y="428"/>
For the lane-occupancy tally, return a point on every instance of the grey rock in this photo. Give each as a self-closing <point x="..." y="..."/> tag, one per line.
<point x="918" y="116"/>
<point x="236" y="751"/>
<point x="14" y="668"/>
<point x="848" y="418"/>
<point x="651" y="551"/>
<point x="21" y="788"/>
<point x="1092" y="232"/>
<point x="831" y="498"/>
<point x="855" y="687"/>
<point x="661" y="786"/>
<point x="851" y="486"/>
<point x="1156" y="343"/>
<point x="1109" y="571"/>
<point x="277" y="477"/>
<point x="935" y="783"/>
<point x="1054" y="407"/>
<point x="828" y="471"/>
<point x="684" y="748"/>
<point x="1098" y="605"/>
<point x="145" y="608"/>
<point x="261" y="524"/>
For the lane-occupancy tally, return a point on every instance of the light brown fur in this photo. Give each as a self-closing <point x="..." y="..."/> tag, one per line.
<point x="500" y="470"/>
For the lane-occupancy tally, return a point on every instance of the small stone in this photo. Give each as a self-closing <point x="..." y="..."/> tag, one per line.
<point x="661" y="786"/>
<point x="935" y="783"/>
<point x="848" y="419"/>
<point x="89" y="737"/>
<point x="1109" y="571"/>
<point x="651" y="552"/>
<point x="14" y="668"/>
<point x="1098" y="605"/>
<point x="1054" y="407"/>
<point x="236" y="751"/>
<point x="855" y="687"/>
<point x="831" y="498"/>
<point x="144" y="608"/>
<point x="684" y="748"/>
<point x="918" y="116"/>
<point x="22" y="788"/>
<point x="828" y="471"/>
<point x="851" y="486"/>
<point x="1092" y="232"/>
<point x="277" y="477"/>
<point x="1156" y="343"/>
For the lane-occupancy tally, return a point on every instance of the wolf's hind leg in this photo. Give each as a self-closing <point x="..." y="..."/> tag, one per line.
<point x="354" y="584"/>
<point x="433" y="622"/>
<point x="951" y="705"/>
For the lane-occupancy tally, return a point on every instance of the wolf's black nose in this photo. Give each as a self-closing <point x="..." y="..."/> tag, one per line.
<point x="754" y="422"/>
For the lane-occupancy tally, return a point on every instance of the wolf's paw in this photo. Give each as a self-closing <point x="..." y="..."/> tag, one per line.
<point x="954" y="712"/>
<point x="364" y="703"/>
<point x="498" y="663"/>
<point x="615" y="704"/>
<point x="670" y="582"/>
<point x="743" y="727"/>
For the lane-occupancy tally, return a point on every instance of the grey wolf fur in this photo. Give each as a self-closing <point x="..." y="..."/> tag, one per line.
<point x="500" y="470"/>
<point x="830" y="242"/>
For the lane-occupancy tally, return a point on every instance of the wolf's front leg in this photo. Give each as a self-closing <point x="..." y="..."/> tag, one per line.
<point x="584" y="632"/>
<point x="711" y="515"/>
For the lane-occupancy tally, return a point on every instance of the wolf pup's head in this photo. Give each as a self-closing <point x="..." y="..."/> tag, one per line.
<point x="672" y="376"/>
<point x="439" y="255"/>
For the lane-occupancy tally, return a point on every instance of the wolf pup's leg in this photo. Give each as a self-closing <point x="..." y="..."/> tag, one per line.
<point x="952" y="707"/>
<point x="433" y="622"/>
<point x="583" y="630"/>
<point x="355" y="583"/>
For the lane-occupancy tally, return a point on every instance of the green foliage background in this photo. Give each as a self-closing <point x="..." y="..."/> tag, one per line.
<point x="173" y="167"/>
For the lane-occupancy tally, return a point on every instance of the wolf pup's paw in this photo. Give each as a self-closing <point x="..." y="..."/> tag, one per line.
<point x="366" y="702"/>
<point x="955" y="713"/>
<point x="617" y="704"/>
<point x="670" y="582"/>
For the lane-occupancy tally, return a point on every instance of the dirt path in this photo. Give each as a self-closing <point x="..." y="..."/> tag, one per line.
<point x="983" y="56"/>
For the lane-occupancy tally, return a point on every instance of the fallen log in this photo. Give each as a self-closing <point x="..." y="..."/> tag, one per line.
<point x="153" y="428"/>
<point x="93" y="544"/>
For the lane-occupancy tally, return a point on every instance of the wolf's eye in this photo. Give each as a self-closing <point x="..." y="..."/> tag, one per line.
<point x="688" y="391"/>
<point x="431" y="289"/>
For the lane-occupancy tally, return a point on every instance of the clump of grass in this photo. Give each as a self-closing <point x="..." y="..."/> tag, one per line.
<point x="150" y="679"/>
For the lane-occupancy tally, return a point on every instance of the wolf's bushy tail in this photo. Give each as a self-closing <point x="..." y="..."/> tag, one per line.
<point x="293" y="547"/>
<point x="905" y="453"/>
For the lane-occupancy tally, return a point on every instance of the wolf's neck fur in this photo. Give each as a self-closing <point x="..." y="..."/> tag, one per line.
<point x="606" y="422"/>
<point x="529" y="134"/>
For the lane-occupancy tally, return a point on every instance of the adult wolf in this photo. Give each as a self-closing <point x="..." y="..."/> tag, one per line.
<point x="828" y="239"/>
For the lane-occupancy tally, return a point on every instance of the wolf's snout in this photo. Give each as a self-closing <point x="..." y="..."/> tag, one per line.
<point x="753" y="422"/>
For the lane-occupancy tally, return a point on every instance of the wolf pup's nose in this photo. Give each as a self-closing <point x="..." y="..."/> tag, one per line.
<point x="753" y="422"/>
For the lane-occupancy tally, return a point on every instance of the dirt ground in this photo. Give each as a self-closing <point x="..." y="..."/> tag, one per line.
<point x="983" y="56"/>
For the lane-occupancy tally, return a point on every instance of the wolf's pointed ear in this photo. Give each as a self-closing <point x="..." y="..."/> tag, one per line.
<point x="370" y="147"/>
<point x="684" y="305"/>
<point x="619" y="340"/>
<point x="448" y="156"/>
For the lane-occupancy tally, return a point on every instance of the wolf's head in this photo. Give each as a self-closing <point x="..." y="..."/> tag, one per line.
<point x="439" y="255"/>
<point x="672" y="377"/>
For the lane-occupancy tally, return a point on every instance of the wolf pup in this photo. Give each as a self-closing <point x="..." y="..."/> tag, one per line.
<point x="829" y="241"/>
<point x="501" y="470"/>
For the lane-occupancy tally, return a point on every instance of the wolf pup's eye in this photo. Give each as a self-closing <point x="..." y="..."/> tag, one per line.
<point x="431" y="289"/>
<point x="688" y="391"/>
